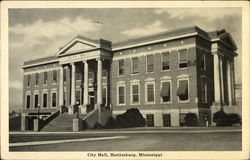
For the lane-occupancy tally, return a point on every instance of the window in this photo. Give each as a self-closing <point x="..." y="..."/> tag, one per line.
<point x="91" y="75"/>
<point x="166" y="118"/>
<point x="121" y="67"/>
<point x="135" y="65"/>
<point x="150" y="63"/>
<point x="37" y="79"/>
<point x="165" y="61"/>
<point x="28" y="101"/>
<point x="45" y="100"/>
<point x="182" y="91"/>
<point x="150" y="120"/>
<point x="78" y="76"/>
<point x="54" y="76"/>
<point x="104" y="95"/>
<point x="28" y="80"/>
<point x="135" y="93"/>
<point x="121" y="94"/>
<point x="36" y="103"/>
<point x="78" y="96"/>
<point x="104" y="73"/>
<point x="203" y="61"/>
<point x="53" y="99"/>
<point x="78" y="73"/>
<point x="45" y="78"/>
<point x="64" y="97"/>
<point x="203" y="90"/>
<point x="165" y="91"/>
<point x="183" y="58"/>
<point x="150" y="95"/>
<point x="64" y="75"/>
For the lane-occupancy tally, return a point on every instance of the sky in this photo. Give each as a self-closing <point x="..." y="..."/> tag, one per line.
<point x="36" y="33"/>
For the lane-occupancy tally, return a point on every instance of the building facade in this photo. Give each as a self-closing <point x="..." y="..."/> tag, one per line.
<point x="165" y="76"/>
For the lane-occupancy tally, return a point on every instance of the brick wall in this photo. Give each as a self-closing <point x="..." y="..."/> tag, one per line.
<point x="157" y="75"/>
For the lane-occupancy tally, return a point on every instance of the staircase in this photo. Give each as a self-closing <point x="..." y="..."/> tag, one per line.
<point x="62" y="123"/>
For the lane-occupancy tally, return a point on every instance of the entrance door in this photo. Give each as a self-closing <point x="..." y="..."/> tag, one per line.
<point x="30" y="122"/>
<point x="91" y="105"/>
<point x="166" y="120"/>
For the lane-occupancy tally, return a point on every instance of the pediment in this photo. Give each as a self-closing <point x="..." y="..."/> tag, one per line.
<point x="77" y="45"/>
<point x="227" y="39"/>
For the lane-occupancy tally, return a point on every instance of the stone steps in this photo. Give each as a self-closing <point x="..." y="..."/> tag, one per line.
<point x="62" y="123"/>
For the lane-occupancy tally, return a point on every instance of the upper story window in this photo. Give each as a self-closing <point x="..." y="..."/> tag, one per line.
<point x="150" y="92"/>
<point x="37" y="79"/>
<point x="121" y="70"/>
<point x="78" y="76"/>
<point x="45" y="100"/>
<point x="54" y="77"/>
<point x="45" y="77"/>
<point x="104" y="73"/>
<point x="183" y="58"/>
<point x="64" y="75"/>
<point x="36" y="103"/>
<point x="165" y="91"/>
<point x="121" y="94"/>
<point x="150" y="63"/>
<point x="203" y="61"/>
<point x="53" y="99"/>
<point x="203" y="96"/>
<point x="78" y="73"/>
<point x="28" y="80"/>
<point x="182" y="91"/>
<point x="91" y="75"/>
<point x="165" y="61"/>
<point x="134" y="93"/>
<point x="135" y="65"/>
<point x="28" y="101"/>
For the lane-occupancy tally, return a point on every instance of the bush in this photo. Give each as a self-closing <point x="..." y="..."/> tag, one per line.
<point x="221" y="118"/>
<point x="191" y="120"/>
<point x="97" y="126"/>
<point x="110" y="123"/>
<point x="234" y="118"/>
<point x="131" y="118"/>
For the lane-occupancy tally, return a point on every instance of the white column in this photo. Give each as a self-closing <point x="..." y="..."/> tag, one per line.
<point x="73" y="84"/>
<point x="217" y="93"/>
<point x="61" y="87"/>
<point x="229" y="82"/>
<point x="221" y="80"/>
<point x="99" y="81"/>
<point x="233" y="82"/>
<point x="86" y="83"/>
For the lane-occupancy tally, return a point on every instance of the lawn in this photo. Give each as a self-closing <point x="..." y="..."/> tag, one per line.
<point x="217" y="141"/>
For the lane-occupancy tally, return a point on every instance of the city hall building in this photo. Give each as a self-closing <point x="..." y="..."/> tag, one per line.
<point x="165" y="76"/>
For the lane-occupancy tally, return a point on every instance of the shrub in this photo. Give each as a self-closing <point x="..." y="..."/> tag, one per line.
<point x="191" y="120"/>
<point x="234" y="118"/>
<point x="97" y="126"/>
<point x="221" y="118"/>
<point x="131" y="118"/>
<point x="110" y="123"/>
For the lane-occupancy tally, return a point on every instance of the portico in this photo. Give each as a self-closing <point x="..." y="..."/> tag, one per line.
<point x="224" y="91"/>
<point x="90" y="62"/>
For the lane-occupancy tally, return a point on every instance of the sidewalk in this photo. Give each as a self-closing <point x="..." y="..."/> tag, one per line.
<point x="146" y="130"/>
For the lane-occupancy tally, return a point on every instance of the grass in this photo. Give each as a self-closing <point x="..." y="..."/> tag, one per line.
<point x="222" y="141"/>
